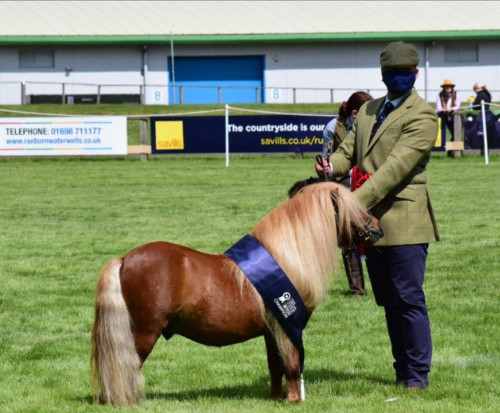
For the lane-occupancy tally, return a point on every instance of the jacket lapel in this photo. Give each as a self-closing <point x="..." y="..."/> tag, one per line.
<point x="368" y="126"/>
<point x="399" y="111"/>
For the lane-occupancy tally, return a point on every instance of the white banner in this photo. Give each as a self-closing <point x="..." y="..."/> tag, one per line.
<point x="99" y="135"/>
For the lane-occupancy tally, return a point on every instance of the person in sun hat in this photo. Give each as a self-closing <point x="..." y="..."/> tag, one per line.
<point x="447" y="103"/>
<point x="390" y="145"/>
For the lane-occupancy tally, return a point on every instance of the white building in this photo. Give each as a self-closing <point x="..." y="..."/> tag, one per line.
<point x="170" y="52"/>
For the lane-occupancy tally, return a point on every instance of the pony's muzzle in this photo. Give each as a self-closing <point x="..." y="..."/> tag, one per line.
<point x="368" y="234"/>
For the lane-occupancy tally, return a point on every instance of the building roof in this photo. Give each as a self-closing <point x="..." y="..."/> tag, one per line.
<point x="69" y="22"/>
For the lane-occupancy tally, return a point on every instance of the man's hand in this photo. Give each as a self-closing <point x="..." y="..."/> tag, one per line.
<point x="324" y="168"/>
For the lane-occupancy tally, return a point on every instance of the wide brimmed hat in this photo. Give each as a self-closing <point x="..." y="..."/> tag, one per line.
<point x="448" y="82"/>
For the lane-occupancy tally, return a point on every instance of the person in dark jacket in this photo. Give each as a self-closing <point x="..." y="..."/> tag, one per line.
<point x="333" y="135"/>
<point x="482" y="93"/>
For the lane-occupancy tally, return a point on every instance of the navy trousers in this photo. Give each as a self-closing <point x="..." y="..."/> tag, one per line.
<point x="397" y="277"/>
<point x="446" y="123"/>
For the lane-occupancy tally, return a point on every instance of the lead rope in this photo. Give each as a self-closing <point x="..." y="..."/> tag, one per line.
<point x="319" y="161"/>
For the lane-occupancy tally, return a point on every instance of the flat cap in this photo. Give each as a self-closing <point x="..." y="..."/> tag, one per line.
<point x="399" y="54"/>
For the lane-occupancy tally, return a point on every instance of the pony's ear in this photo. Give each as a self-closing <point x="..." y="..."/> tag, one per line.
<point x="299" y="185"/>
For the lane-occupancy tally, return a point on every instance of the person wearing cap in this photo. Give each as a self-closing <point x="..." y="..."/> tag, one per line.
<point x="447" y="103"/>
<point x="391" y="143"/>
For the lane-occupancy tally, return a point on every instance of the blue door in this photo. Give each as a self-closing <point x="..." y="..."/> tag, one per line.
<point x="216" y="79"/>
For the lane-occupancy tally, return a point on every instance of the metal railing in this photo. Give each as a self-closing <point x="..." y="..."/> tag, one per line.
<point x="69" y="92"/>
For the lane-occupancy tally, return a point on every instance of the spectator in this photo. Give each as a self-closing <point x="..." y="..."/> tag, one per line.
<point x="333" y="135"/>
<point x="447" y="103"/>
<point x="482" y="93"/>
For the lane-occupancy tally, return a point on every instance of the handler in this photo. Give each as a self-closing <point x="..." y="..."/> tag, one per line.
<point x="391" y="141"/>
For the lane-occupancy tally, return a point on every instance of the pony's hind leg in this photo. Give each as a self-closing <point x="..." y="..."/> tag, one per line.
<point x="275" y="365"/>
<point x="292" y="375"/>
<point x="144" y="343"/>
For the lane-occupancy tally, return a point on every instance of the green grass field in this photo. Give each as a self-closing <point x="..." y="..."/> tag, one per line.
<point x="62" y="219"/>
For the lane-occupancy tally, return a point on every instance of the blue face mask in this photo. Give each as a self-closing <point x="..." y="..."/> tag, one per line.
<point x="398" y="81"/>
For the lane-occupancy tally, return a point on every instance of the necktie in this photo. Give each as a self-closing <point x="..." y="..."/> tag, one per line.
<point x="388" y="107"/>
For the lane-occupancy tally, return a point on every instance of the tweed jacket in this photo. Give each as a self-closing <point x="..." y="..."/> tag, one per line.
<point x="396" y="156"/>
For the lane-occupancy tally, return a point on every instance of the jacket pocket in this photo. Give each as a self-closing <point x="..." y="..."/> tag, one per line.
<point x="408" y="193"/>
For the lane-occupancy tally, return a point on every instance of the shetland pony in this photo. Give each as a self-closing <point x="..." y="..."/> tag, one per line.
<point x="162" y="288"/>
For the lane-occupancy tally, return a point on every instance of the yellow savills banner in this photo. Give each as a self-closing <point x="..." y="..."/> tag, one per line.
<point x="170" y="135"/>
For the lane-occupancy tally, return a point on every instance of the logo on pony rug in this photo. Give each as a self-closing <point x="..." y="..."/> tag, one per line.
<point x="276" y="289"/>
<point x="286" y="304"/>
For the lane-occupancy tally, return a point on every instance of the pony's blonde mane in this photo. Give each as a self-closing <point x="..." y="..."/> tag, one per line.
<point x="302" y="236"/>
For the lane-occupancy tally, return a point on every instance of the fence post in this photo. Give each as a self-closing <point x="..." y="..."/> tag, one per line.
<point x="226" y="132"/>
<point x="458" y="132"/>
<point x="98" y="94"/>
<point x="294" y="95"/>
<point x="144" y="136"/>
<point x="485" y="132"/>
<point x="331" y="96"/>
<point x="63" y="93"/>
<point x="23" y="93"/>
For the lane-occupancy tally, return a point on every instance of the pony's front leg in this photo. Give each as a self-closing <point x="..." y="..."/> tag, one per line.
<point x="292" y="375"/>
<point x="275" y="365"/>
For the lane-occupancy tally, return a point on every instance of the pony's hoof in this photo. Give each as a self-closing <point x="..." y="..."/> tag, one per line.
<point x="295" y="398"/>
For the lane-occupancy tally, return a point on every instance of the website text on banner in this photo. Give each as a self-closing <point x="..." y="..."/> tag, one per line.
<point x="247" y="134"/>
<point x="102" y="135"/>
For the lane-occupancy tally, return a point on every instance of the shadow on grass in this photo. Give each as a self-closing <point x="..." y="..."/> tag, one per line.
<point x="258" y="390"/>
<point x="261" y="388"/>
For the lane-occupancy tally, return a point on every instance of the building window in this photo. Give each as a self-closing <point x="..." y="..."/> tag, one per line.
<point x="463" y="53"/>
<point x="36" y="59"/>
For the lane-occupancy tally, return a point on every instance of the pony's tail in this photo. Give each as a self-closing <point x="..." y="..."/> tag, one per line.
<point x="114" y="365"/>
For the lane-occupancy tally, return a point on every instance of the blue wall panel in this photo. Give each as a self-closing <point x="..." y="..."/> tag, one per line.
<point x="238" y="76"/>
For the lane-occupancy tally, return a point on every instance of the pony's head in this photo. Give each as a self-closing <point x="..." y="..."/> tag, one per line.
<point x="303" y="233"/>
<point x="365" y="233"/>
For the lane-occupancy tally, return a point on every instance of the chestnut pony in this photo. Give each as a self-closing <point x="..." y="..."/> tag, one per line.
<point x="162" y="288"/>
